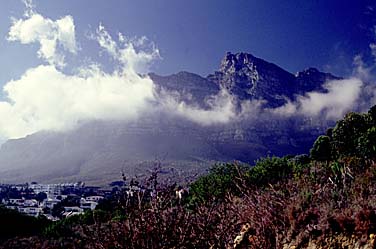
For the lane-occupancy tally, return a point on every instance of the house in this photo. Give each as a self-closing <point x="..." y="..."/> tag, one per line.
<point x="11" y="207"/>
<point x="18" y="202"/>
<point x="30" y="203"/>
<point x="50" y="203"/>
<point x="94" y="198"/>
<point x="73" y="209"/>
<point x="31" y="211"/>
<point x="88" y="205"/>
<point x="69" y="211"/>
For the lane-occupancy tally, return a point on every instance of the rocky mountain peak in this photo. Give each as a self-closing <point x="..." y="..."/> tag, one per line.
<point x="250" y="77"/>
<point x="232" y="63"/>
<point x="311" y="79"/>
<point x="308" y="71"/>
<point x="312" y="72"/>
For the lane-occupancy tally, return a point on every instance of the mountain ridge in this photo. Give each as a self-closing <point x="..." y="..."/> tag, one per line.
<point x="98" y="150"/>
<point x="250" y="77"/>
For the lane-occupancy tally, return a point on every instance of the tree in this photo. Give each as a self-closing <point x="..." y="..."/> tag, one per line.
<point x="322" y="149"/>
<point x="41" y="196"/>
<point x="347" y="132"/>
<point x="15" y="224"/>
<point x="367" y="143"/>
<point x="372" y="115"/>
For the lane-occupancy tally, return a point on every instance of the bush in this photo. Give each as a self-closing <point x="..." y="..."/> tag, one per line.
<point x="322" y="150"/>
<point x="299" y="164"/>
<point x="13" y="223"/>
<point x="220" y="180"/>
<point x="270" y="170"/>
<point x="367" y="143"/>
<point x="64" y="227"/>
<point x="346" y="133"/>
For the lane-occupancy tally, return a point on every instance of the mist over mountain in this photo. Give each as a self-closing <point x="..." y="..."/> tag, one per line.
<point x="254" y="90"/>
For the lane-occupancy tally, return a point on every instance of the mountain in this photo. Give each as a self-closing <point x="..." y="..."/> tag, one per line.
<point x="249" y="77"/>
<point x="192" y="87"/>
<point x="97" y="151"/>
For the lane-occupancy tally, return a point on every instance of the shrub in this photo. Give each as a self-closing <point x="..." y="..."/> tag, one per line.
<point x="270" y="170"/>
<point x="347" y="132"/>
<point x="367" y="143"/>
<point x="322" y="150"/>
<point x="220" y="180"/>
<point x="13" y="223"/>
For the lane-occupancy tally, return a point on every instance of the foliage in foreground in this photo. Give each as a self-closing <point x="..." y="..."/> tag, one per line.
<point x="14" y="224"/>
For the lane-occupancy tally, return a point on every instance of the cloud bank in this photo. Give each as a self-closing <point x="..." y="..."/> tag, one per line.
<point x="222" y="108"/>
<point x="340" y="97"/>
<point x="46" y="99"/>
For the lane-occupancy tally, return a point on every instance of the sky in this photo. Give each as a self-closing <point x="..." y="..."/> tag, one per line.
<point x="66" y="61"/>
<point x="194" y="35"/>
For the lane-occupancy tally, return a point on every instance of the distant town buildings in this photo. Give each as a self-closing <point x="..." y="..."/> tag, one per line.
<point x="40" y="199"/>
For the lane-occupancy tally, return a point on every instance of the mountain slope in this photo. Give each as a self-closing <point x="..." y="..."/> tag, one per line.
<point x="97" y="151"/>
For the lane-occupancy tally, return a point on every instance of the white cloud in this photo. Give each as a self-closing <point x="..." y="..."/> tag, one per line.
<point x="47" y="99"/>
<point x="372" y="46"/>
<point x="135" y="53"/>
<point x="35" y="28"/>
<point x="221" y="108"/>
<point x="29" y="5"/>
<point x="340" y="97"/>
<point x="288" y="109"/>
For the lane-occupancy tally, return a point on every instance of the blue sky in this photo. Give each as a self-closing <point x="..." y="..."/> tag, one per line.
<point x="194" y="35"/>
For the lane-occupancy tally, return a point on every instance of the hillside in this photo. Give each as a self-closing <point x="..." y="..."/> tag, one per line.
<point x="325" y="200"/>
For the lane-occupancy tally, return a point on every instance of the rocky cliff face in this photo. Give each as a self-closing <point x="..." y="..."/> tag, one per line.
<point x="249" y="77"/>
<point x="98" y="151"/>
<point x="311" y="79"/>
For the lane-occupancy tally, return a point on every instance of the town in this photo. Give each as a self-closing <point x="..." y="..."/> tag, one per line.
<point x="54" y="201"/>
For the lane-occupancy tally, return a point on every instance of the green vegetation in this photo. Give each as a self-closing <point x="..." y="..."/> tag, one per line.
<point x="221" y="179"/>
<point x="322" y="150"/>
<point x="63" y="228"/>
<point x="14" y="224"/>
<point x="270" y="170"/>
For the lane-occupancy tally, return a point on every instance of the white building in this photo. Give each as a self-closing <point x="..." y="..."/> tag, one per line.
<point x="12" y="207"/>
<point x="16" y="201"/>
<point x="94" y="198"/>
<point x="69" y="211"/>
<point x="31" y="211"/>
<point x="30" y="203"/>
<point x="50" y="203"/>
<point x="50" y="189"/>
<point x="88" y="205"/>
<point x="73" y="209"/>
